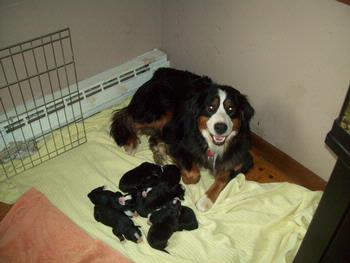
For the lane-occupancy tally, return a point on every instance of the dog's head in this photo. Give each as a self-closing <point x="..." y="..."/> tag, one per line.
<point x="224" y="113"/>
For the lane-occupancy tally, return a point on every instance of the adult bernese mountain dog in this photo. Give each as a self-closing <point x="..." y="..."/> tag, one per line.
<point x="198" y="123"/>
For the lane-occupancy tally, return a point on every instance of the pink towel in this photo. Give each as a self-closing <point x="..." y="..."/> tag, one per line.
<point x="36" y="231"/>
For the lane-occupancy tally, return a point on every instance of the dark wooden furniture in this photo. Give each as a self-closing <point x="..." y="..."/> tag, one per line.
<point x="328" y="236"/>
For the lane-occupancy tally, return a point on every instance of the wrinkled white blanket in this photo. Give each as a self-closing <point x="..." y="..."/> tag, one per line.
<point x="250" y="222"/>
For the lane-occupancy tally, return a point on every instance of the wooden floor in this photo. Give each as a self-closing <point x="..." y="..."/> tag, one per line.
<point x="267" y="169"/>
<point x="273" y="165"/>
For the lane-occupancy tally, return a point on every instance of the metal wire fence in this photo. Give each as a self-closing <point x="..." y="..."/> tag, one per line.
<point x="40" y="109"/>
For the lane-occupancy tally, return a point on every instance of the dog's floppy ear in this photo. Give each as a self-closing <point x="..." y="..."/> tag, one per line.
<point x="185" y="123"/>
<point x="200" y="89"/>
<point x="246" y="110"/>
<point x="194" y="106"/>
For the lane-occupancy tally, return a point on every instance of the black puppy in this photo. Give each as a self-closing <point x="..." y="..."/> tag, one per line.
<point x="116" y="200"/>
<point x="122" y="226"/>
<point x="147" y="175"/>
<point x="154" y="197"/>
<point x="187" y="219"/>
<point x="151" y="186"/>
<point x="165" y="221"/>
<point x="171" y="174"/>
<point x="141" y="177"/>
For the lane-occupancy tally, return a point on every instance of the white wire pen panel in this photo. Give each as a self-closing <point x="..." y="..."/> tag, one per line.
<point x="40" y="110"/>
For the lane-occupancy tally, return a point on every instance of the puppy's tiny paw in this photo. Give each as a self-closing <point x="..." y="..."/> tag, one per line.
<point x="148" y="219"/>
<point x="121" y="200"/>
<point x="204" y="204"/>
<point x="129" y="213"/>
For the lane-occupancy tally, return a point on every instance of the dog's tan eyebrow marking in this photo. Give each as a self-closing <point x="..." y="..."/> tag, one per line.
<point x="215" y="102"/>
<point x="229" y="103"/>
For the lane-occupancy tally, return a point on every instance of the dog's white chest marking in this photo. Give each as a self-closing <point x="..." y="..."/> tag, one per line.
<point x="212" y="157"/>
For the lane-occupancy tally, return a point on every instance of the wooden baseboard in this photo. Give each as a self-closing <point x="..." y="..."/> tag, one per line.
<point x="297" y="173"/>
<point x="345" y="1"/>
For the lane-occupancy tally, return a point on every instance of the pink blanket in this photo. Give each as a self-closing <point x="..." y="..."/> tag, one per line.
<point x="36" y="231"/>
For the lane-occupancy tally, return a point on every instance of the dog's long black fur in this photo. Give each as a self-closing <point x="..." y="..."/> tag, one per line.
<point x="167" y="89"/>
<point x="185" y="95"/>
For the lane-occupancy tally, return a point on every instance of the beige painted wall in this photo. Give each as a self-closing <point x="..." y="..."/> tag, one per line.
<point x="104" y="33"/>
<point x="291" y="58"/>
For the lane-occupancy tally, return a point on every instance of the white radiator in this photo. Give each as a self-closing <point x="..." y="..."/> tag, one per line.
<point x="93" y="95"/>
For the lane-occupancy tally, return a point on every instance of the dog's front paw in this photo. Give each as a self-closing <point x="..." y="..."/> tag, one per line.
<point x="130" y="149"/>
<point x="190" y="177"/>
<point x="131" y="145"/>
<point x="204" y="203"/>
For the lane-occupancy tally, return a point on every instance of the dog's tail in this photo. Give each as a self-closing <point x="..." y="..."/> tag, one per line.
<point x="122" y="128"/>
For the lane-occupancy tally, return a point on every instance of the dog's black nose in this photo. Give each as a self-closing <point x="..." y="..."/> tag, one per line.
<point x="220" y="127"/>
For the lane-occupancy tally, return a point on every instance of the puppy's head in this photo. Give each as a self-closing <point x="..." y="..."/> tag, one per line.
<point x="224" y="113"/>
<point x="171" y="174"/>
<point x="100" y="196"/>
<point x="171" y="208"/>
<point x="133" y="234"/>
<point x="175" y="207"/>
<point x="142" y="176"/>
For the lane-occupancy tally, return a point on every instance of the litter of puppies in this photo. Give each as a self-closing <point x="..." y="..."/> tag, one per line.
<point x="151" y="191"/>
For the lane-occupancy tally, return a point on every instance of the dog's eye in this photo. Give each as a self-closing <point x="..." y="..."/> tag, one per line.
<point x="211" y="108"/>
<point x="230" y="110"/>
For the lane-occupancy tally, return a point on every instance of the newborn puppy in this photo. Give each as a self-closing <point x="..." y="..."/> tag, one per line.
<point x="154" y="197"/>
<point x="143" y="176"/>
<point x="187" y="219"/>
<point x="145" y="204"/>
<point x="171" y="174"/>
<point x="165" y="221"/>
<point x="177" y="191"/>
<point x="122" y="226"/>
<point x="100" y="196"/>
